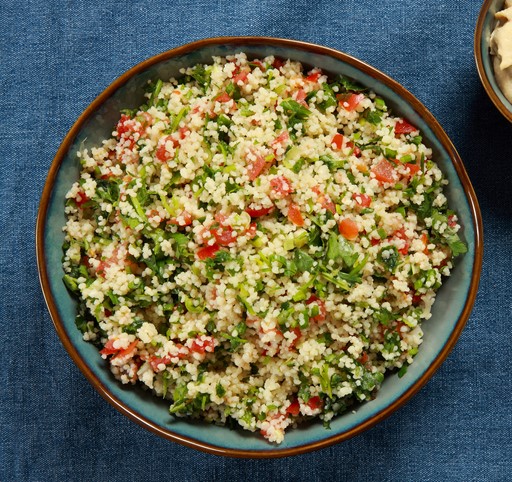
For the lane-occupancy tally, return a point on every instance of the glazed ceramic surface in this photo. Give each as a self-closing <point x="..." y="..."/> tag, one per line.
<point x="449" y="314"/>
<point x="484" y="62"/>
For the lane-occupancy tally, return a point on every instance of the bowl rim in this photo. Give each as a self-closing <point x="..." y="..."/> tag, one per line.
<point x="299" y="45"/>
<point x="484" y="78"/>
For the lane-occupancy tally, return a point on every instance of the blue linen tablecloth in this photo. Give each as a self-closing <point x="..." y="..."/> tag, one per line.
<point x="57" y="56"/>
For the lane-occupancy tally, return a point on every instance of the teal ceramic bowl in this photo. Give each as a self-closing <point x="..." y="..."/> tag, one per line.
<point x="450" y="312"/>
<point x="484" y="27"/>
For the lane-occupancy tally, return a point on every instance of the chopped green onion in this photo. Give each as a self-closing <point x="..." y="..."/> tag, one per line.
<point x="156" y="92"/>
<point x="380" y="104"/>
<point x="407" y="158"/>
<point x="176" y="121"/>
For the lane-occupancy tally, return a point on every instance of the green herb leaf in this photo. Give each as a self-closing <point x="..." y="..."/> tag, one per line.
<point x="457" y="246"/>
<point x="373" y="117"/>
<point x="233" y="91"/>
<point x="303" y="261"/>
<point x="384" y="317"/>
<point x="350" y="85"/>
<point x="156" y="92"/>
<point x="388" y="257"/>
<point x="340" y="248"/>
<point x="202" y="76"/>
<point x="332" y="163"/>
<point x="71" y="283"/>
<point x="424" y="210"/>
<point x="293" y="109"/>
<point x="220" y="390"/>
<point x="176" y="121"/>
<point x="329" y="98"/>
<point x="133" y="327"/>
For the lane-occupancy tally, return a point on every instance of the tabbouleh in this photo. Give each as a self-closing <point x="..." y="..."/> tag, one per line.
<point x="257" y="244"/>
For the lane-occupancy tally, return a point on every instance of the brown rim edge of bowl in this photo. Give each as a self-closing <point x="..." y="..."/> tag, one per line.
<point x="305" y="46"/>
<point x="480" y="64"/>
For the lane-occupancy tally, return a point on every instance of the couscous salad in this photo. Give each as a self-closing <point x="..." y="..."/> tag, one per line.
<point x="258" y="243"/>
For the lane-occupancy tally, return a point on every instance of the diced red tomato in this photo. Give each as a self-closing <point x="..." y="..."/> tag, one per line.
<point x="258" y="213"/>
<point x="281" y="139"/>
<point x="183" y="351"/>
<point x="156" y="361"/>
<point x="257" y="167"/>
<point x="404" y="127"/>
<point x="313" y="76"/>
<point x="153" y="213"/>
<point x="364" y="358"/>
<point x="375" y="241"/>
<point x="109" y="349"/>
<point x="349" y="101"/>
<point x="416" y="299"/>
<point x="296" y="331"/>
<point x="107" y="175"/>
<point x="277" y="63"/>
<point x="452" y="221"/>
<point x="124" y="126"/>
<point x="400" y="234"/>
<point x="294" y="408"/>
<point x="102" y="266"/>
<point x="221" y="219"/>
<point x="224" y="235"/>
<point x="362" y="200"/>
<point x="127" y="352"/>
<point x="355" y="149"/>
<point x="322" y="311"/>
<point x="424" y="238"/>
<point x="207" y="251"/>
<point x="384" y="171"/>
<point x="184" y="219"/>
<point x="259" y="64"/>
<point x="327" y="203"/>
<point x="281" y="186"/>
<point x="148" y="119"/>
<point x="324" y="200"/>
<point x="315" y="403"/>
<point x="294" y="215"/>
<point x="204" y="235"/>
<point x="301" y="97"/>
<point x="240" y="77"/>
<point x="183" y="132"/>
<point x="161" y="152"/>
<point x="203" y="344"/>
<point x="222" y="97"/>
<point x="348" y="229"/>
<point x="250" y="232"/>
<point x="337" y="140"/>
<point x="111" y="153"/>
<point x="80" y="199"/>
<point x="399" y="326"/>
<point x="412" y="168"/>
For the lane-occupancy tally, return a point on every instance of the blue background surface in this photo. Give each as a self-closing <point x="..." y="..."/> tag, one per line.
<point x="56" y="57"/>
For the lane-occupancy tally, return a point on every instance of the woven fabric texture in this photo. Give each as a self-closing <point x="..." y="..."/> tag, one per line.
<point x="57" y="56"/>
